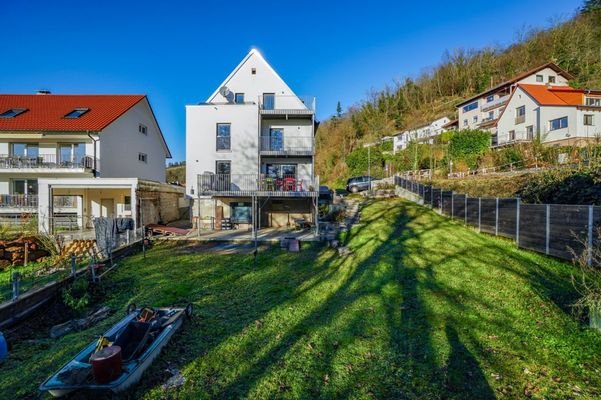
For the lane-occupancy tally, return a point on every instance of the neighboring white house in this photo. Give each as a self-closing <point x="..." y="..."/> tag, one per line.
<point x="76" y="142"/>
<point x="482" y="111"/>
<point x="556" y="114"/>
<point x="252" y="140"/>
<point x="423" y="133"/>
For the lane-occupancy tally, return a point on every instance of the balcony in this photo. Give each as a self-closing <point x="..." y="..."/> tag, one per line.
<point x="256" y="185"/>
<point x="512" y="137"/>
<point x="286" y="145"/>
<point x="501" y="101"/>
<point x="289" y="106"/>
<point x="14" y="202"/>
<point x="520" y="119"/>
<point x="46" y="162"/>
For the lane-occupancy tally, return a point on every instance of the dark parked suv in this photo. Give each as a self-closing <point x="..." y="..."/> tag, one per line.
<point x="358" y="183"/>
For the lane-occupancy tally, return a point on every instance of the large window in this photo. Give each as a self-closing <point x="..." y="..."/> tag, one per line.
<point x="529" y="132"/>
<point x="558" y="123"/>
<point x="25" y="186"/>
<point x="71" y="153"/>
<point x="281" y="170"/>
<point x="268" y="101"/>
<point x="470" y="107"/>
<point x="241" y="213"/>
<point x="276" y="139"/>
<point x="29" y="150"/>
<point x="593" y="101"/>
<point x="224" y="136"/>
<point x="520" y="114"/>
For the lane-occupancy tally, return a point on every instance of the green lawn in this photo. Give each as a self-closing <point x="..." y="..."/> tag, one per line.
<point x="425" y="308"/>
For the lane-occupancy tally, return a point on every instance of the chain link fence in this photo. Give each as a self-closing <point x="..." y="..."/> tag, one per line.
<point x="559" y="230"/>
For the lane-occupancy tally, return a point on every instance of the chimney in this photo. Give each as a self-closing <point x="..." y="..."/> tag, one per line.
<point x="43" y="92"/>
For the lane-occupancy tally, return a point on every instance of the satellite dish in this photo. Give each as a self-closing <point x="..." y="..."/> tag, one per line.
<point x="224" y="91"/>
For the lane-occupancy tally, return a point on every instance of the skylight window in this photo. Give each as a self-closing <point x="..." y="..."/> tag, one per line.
<point x="12" y="113"/>
<point x="76" y="113"/>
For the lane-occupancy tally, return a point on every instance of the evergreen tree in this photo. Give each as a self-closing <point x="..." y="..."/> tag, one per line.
<point x="590" y="6"/>
<point x="338" y="110"/>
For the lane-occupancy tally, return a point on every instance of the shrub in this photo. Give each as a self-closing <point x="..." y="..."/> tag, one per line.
<point x="469" y="145"/>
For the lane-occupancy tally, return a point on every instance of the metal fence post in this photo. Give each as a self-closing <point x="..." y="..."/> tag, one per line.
<point x="479" y="214"/>
<point x="497" y="218"/>
<point x="440" y="201"/>
<point x="465" y="211"/>
<point x="517" y="222"/>
<point x="16" y="278"/>
<point x="548" y="228"/>
<point x="589" y="260"/>
<point x="72" y="264"/>
<point x="432" y="197"/>
<point x="452" y="204"/>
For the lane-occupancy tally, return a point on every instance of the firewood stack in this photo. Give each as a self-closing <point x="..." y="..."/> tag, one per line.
<point x="13" y="252"/>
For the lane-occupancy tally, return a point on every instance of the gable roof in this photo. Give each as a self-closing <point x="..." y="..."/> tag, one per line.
<point x="554" y="95"/>
<point x="251" y="53"/>
<point x="517" y="78"/>
<point x="47" y="112"/>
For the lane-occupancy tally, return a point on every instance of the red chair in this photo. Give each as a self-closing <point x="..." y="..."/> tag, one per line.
<point x="289" y="184"/>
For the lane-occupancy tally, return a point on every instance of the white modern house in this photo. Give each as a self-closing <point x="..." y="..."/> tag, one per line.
<point x="559" y="115"/>
<point x="70" y="158"/>
<point x="422" y="134"/>
<point x="483" y="110"/>
<point x="250" y="146"/>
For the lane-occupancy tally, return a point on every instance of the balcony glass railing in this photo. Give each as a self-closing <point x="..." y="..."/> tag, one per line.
<point x="514" y="137"/>
<point x="221" y="183"/>
<point x="18" y="201"/>
<point x="287" y="144"/>
<point x="495" y="103"/>
<point x="290" y="103"/>
<point x="8" y="161"/>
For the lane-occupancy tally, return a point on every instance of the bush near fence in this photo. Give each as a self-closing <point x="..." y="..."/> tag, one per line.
<point x="559" y="230"/>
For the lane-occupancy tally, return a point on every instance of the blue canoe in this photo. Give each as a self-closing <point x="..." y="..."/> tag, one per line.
<point x="77" y="373"/>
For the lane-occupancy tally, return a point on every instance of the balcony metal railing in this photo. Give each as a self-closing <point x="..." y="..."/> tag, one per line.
<point x="8" y="161"/>
<point x="520" y="119"/>
<point x="287" y="145"/>
<point x="18" y="201"/>
<point x="495" y="103"/>
<point x="286" y="104"/>
<point x="513" y="137"/>
<point x="238" y="184"/>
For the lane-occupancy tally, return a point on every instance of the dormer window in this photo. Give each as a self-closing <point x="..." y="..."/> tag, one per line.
<point x="77" y="112"/>
<point x="551" y="79"/>
<point x="13" y="112"/>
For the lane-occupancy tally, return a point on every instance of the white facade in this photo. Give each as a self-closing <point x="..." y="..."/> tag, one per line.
<point x="252" y="132"/>
<point x="581" y="123"/>
<point x="483" y="111"/>
<point x="424" y="133"/>
<point x="122" y="149"/>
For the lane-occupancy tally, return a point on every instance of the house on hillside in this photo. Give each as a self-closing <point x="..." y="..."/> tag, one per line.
<point x="250" y="146"/>
<point x="71" y="158"/>
<point x="483" y="110"/>
<point x="559" y="115"/>
<point x="422" y="134"/>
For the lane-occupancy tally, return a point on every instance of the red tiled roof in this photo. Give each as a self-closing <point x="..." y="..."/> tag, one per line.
<point x="46" y="112"/>
<point x="517" y="78"/>
<point x="554" y="95"/>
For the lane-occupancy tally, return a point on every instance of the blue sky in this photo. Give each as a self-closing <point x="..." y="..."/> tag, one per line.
<point x="178" y="52"/>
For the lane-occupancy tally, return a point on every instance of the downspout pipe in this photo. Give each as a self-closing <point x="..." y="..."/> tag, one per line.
<point x="94" y="170"/>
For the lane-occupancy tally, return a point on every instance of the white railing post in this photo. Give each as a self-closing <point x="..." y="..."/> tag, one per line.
<point x="497" y="218"/>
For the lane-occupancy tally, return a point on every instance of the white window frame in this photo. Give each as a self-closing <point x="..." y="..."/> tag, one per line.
<point x="590" y="117"/>
<point x="540" y="78"/>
